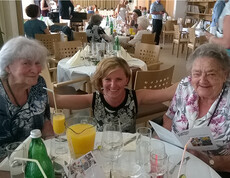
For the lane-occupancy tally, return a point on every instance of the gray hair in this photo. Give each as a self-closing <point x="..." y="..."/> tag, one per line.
<point x="213" y="51"/>
<point x="21" y="48"/>
<point x="143" y="22"/>
<point x="95" y="19"/>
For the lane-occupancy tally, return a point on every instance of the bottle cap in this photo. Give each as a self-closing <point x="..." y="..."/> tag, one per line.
<point x="36" y="133"/>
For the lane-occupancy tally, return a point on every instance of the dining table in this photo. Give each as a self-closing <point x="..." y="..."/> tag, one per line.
<point x="66" y="72"/>
<point x="194" y="168"/>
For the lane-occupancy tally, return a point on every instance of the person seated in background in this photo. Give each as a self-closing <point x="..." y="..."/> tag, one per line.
<point x="24" y="103"/>
<point x="133" y="21"/>
<point x="94" y="32"/>
<point x="203" y="100"/>
<point x="143" y="24"/>
<point x="112" y="101"/>
<point x="90" y="10"/>
<point x="34" y="26"/>
<point x="144" y="11"/>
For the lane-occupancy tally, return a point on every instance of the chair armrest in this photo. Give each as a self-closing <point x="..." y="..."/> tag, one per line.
<point x="86" y="79"/>
<point x="155" y="66"/>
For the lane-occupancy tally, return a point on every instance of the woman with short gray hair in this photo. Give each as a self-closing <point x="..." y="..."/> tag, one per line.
<point x="24" y="103"/>
<point x="202" y="100"/>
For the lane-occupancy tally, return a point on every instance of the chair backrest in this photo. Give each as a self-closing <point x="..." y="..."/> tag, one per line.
<point x="153" y="79"/>
<point x="61" y="24"/>
<point x="148" y="38"/>
<point x="48" y="40"/>
<point x="46" y="75"/>
<point x="177" y="34"/>
<point x="168" y="26"/>
<point x="80" y="36"/>
<point x="148" y="53"/>
<point x="191" y="35"/>
<point x="66" y="49"/>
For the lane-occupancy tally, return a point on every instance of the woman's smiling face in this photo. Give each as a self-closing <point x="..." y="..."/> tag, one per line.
<point x="114" y="83"/>
<point x="208" y="77"/>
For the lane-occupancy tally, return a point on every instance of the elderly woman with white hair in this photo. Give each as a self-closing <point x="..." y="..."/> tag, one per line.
<point x="143" y="24"/>
<point x="24" y="103"/>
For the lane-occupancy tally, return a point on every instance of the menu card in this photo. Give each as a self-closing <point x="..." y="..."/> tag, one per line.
<point x="201" y="138"/>
<point x="84" y="167"/>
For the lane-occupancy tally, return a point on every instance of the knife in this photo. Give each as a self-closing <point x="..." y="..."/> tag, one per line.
<point x="130" y="140"/>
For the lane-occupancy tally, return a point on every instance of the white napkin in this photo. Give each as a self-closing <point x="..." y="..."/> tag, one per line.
<point x="4" y="165"/>
<point x="123" y="54"/>
<point x="76" y="59"/>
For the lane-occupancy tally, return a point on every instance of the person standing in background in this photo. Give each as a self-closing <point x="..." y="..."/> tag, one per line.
<point x="157" y="9"/>
<point x="65" y="9"/>
<point x="217" y="9"/>
<point x="45" y="7"/>
<point x="222" y="34"/>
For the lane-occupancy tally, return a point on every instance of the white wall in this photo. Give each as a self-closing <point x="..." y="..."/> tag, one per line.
<point x="180" y="8"/>
<point x="8" y="19"/>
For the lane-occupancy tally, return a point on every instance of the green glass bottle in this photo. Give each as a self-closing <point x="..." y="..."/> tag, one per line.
<point x="37" y="150"/>
<point x="111" y="27"/>
<point x="107" y="20"/>
<point x="116" y="45"/>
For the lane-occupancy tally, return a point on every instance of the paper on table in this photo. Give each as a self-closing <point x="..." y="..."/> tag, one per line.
<point x="123" y="54"/>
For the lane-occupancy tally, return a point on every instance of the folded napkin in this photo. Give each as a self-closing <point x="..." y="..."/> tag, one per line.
<point x="76" y="60"/>
<point x="4" y="165"/>
<point x="123" y="54"/>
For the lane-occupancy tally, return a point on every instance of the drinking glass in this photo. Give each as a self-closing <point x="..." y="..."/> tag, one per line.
<point x="158" y="165"/>
<point x="109" y="49"/>
<point x="112" y="142"/>
<point x="17" y="167"/>
<point x="59" y="129"/>
<point x="143" y="145"/>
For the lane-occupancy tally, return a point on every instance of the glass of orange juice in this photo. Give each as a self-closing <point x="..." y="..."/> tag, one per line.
<point x="59" y="129"/>
<point x="81" y="135"/>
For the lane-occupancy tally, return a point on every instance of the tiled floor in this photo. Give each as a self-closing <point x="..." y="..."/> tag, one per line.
<point x="168" y="58"/>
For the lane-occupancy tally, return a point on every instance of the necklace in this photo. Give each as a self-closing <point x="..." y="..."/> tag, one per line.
<point x="11" y="92"/>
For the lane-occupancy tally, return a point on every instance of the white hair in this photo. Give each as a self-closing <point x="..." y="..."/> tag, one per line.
<point x="143" y="22"/>
<point x="21" y="48"/>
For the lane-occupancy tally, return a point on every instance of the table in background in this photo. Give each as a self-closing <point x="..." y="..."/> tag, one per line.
<point x="65" y="72"/>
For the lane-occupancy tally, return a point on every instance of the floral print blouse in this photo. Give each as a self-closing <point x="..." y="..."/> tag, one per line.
<point x="184" y="111"/>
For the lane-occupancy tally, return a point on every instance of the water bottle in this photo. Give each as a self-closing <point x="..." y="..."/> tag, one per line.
<point x="116" y="45"/>
<point x="111" y="27"/>
<point x="37" y="150"/>
<point x="107" y="21"/>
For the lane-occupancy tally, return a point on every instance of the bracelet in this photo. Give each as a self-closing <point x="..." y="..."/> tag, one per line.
<point x="210" y="39"/>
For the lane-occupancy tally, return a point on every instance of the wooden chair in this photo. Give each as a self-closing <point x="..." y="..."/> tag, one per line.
<point x="63" y="88"/>
<point x="157" y="79"/>
<point x="65" y="49"/>
<point x="81" y="36"/>
<point x="168" y="29"/>
<point x="48" y="40"/>
<point x="148" y="53"/>
<point x="178" y="40"/>
<point x="194" y="41"/>
<point x="148" y="38"/>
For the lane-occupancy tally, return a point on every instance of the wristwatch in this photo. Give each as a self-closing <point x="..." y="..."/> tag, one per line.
<point x="211" y="162"/>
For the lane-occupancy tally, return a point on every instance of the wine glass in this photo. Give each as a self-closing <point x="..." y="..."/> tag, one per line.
<point x="59" y="129"/>
<point x="112" y="142"/>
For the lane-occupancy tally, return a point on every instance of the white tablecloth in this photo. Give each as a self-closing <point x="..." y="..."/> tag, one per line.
<point x="195" y="167"/>
<point x="65" y="72"/>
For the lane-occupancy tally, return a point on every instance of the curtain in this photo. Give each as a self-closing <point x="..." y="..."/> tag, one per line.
<point x="101" y="4"/>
